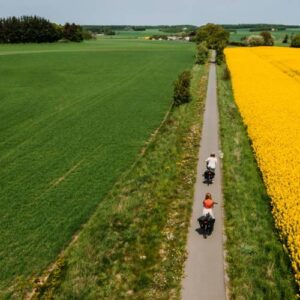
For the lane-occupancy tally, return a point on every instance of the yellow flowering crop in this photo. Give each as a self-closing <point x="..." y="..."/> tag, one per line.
<point x="266" y="85"/>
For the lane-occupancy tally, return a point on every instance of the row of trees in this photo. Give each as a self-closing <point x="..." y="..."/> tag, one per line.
<point x="164" y="28"/>
<point x="211" y="36"/>
<point x="34" y="29"/>
<point x="258" y="27"/>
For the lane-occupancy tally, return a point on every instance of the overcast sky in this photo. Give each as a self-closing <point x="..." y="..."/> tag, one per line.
<point x="154" y="12"/>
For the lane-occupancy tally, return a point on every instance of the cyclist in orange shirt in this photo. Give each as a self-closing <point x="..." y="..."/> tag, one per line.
<point x="208" y="205"/>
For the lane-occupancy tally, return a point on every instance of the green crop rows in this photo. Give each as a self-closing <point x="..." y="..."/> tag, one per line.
<point x="73" y="118"/>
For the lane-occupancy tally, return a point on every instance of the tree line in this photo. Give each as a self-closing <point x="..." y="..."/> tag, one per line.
<point x="164" y="28"/>
<point x="258" y="26"/>
<point x="34" y="29"/>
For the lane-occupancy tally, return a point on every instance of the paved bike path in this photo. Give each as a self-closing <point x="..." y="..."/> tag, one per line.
<point x="204" y="267"/>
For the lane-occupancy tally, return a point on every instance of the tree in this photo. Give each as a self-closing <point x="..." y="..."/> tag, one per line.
<point x="285" y="39"/>
<point x="268" y="39"/>
<point x="215" y="36"/>
<point x="296" y="41"/>
<point x="212" y="34"/>
<point x="72" y="32"/>
<point x="202" y="53"/>
<point x="182" y="89"/>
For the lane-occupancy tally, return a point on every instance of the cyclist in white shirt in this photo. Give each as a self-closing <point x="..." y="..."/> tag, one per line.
<point x="211" y="162"/>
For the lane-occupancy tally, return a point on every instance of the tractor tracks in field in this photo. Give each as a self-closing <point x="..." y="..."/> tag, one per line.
<point x="90" y="102"/>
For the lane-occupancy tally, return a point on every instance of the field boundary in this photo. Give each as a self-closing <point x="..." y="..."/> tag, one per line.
<point x="80" y="50"/>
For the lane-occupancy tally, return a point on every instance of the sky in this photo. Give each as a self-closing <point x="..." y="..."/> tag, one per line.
<point x="157" y="12"/>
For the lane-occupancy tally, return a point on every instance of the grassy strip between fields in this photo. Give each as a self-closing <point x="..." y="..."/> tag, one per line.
<point x="258" y="264"/>
<point x="134" y="245"/>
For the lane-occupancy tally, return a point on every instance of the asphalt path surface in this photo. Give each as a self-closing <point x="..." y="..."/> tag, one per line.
<point x="204" y="268"/>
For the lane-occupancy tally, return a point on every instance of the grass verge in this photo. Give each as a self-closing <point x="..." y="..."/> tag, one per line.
<point x="134" y="245"/>
<point x="258" y="264"/>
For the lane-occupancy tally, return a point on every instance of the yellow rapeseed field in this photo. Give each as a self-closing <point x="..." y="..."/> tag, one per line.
<point x="266" y="85"/>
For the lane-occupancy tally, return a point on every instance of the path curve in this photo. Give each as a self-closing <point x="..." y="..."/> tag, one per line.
<point x="204" y="268"/>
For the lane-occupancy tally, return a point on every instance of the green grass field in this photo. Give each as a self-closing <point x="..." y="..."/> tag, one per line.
<point x="278" y="35"/>
<point x="73" y="118"/>
<point x="133" y="247"/>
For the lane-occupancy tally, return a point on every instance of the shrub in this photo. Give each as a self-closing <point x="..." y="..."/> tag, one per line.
<point x="285" y="39"/>
<point x="193" y="39"/>
<point x="238" y="44"/>
<point x="109" y="32"/>
<point x="255" y="40"/>
<point x="220" y="53"/>
<point x="182" y="89"/>
<point x="268" y="39"/>
<point x="296" y="41"/>
<point x="226" y="73"/>
<point x="87" y="35"/>
<point x="202" y="53"/>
